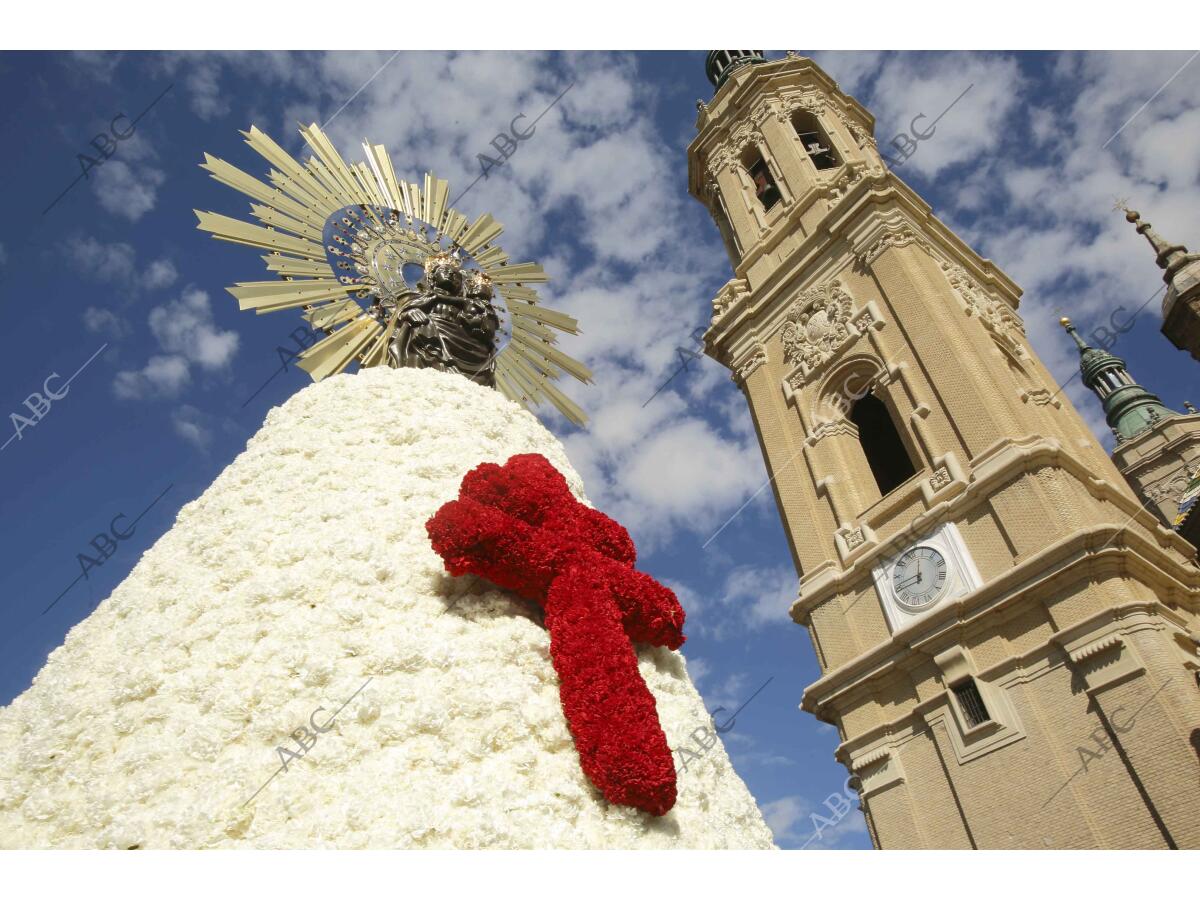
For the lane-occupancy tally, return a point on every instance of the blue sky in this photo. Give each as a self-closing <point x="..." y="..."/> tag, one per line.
<point x="1025" y="167"/>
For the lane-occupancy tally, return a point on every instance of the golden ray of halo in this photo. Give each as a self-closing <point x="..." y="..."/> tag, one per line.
<point x="292" y="208"/>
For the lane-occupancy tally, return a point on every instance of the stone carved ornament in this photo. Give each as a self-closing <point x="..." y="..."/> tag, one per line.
<point x="818" y="323"/>
<point x="835" y="192"/>
<point x="900" y="235"/>
<point x="729" y="152"/>
<point x="744" y="368"/>
<point x="940" y="478"/>
<point x="994" y="313"/>
<point x="734" y="290"/>
<point x="1169" y="488"/>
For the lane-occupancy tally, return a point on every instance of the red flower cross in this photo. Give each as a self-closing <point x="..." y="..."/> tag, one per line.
<point x="519" y="526"/>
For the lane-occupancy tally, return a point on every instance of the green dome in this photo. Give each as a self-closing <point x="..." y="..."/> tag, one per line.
<point x="721" y="62"/>
<point x="1129" y="408"/>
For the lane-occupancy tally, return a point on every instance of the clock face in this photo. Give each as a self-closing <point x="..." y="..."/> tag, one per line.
<point x="919" y="578"/>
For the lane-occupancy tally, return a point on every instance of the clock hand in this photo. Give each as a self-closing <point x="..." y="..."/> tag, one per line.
<point x="909" y="581"/>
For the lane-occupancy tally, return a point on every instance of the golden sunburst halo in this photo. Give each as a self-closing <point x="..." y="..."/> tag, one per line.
<point x="337" y="234"/>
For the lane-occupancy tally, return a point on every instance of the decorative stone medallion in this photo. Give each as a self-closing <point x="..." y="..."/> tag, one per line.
<point x="817" y="325"/>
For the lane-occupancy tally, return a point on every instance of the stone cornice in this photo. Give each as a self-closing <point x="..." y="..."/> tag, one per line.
<point x="1121" y="450"/>
<point x="1101" y="631"/>
<point x="996" y="465"/>
<point x="1108" y="549"/>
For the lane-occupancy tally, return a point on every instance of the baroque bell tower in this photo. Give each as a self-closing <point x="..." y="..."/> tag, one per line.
<point x="1008" y="640"/>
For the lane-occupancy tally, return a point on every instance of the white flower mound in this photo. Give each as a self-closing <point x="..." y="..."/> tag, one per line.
<point x="302" y="572"/>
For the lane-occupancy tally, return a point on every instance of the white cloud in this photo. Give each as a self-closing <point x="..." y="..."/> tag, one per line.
<point x="797" y="822"/>
<point x="162" y="376"/>
<point x="127" y="192"/>
<point x="749" y="758"/>
<point x="185" y="330"/>
<point x="116" y="263"/>
<point x="697" y="668"/>
<point x="160" y="274"/>
<point x="853" y="69"/>
<point x="203" y="75"/>
<point x="192" y="425"/>
<point x="910" y="86"/>
<point x="766" y="594"/>
<point x="207" y="100"/>
<point x="750" y="598"/>
<point x="185" y="327"/>
<point x="726" y="697"/>
<point x="99" y="64"/>
<point x="104" y="321"/>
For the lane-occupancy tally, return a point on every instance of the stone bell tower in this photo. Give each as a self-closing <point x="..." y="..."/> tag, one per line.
<point x="1008" y="641"/>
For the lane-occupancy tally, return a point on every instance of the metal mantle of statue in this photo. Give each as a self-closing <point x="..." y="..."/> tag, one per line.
<point x="442" y="293"/>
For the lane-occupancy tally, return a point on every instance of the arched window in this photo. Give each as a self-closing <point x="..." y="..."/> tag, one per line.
<point x="815" y="141"/>
<point x="881" y="443"/>
<point x="765" y="188"/>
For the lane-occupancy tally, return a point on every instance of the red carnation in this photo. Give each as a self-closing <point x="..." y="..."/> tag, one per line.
<point x="519" y="526"/>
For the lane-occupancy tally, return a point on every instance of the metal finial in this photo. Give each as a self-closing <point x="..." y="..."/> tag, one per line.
<point x="1122" y="204"/>
<point x="1079" y="342"/>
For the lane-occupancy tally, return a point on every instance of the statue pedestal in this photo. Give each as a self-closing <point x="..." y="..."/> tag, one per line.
<point x="302" y="579"/>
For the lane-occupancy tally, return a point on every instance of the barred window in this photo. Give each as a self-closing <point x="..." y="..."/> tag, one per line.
<point x="970" y="701"/>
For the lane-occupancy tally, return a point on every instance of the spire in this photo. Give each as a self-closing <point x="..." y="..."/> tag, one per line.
<point x="1129" y="408"/>
<point x="1181" y="272"/>
<point x="1066" y="323"/>
<point x="1171" y="257"/>
<point x="721" y="62"/>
